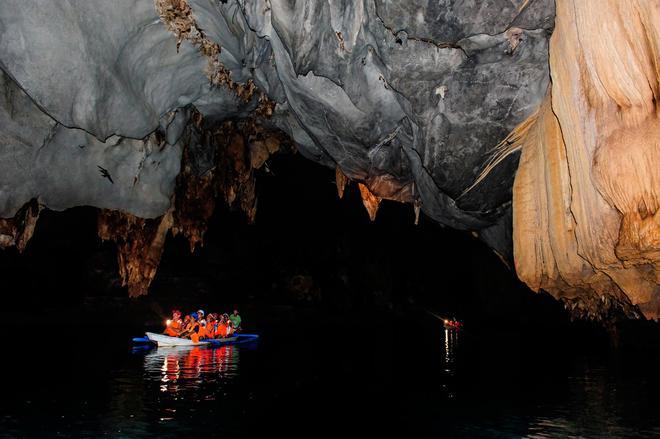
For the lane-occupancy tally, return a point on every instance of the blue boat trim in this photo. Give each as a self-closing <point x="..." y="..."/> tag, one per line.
<point x="139" y="340"/>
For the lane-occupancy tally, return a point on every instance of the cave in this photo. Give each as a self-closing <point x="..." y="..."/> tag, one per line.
<point x="436" y="218"/>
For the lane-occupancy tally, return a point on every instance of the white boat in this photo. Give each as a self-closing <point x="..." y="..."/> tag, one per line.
<point x="165" y="340"/>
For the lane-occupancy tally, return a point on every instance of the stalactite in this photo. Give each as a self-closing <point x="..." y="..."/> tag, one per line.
<point x="586" y="193"/>
<point x="236" y="149"/>
<point x="140" y="244"/>
<point x="341" y="181"/>
<point x="194" y="202"/>
<point x="389" y="187"/>
<point x="237" y="181"/>
<point x="18" y="230"/>
<point x="370" y="201"/>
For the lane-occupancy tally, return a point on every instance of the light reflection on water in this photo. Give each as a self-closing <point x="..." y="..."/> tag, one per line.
<point x="451" y="341"/>
<point x="183" y="367"/>
<point x="177" y="385"/>
<point x="445" y="386"/>
<point x="592" y="403"/>
<point x="186" y="370"/>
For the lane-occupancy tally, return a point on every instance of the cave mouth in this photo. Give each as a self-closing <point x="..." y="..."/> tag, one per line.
<point x="349" y="312"/>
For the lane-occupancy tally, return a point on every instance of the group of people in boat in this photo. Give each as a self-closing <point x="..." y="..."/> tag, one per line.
<point x="200" y="326"/>
<point x="453" y="324"/>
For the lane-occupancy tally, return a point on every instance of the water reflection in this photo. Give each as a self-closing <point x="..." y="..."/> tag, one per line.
<point x="453" y="384"/>
<point x="187" y="368"/>
<point x="451" y="338"/>
<point x="450" y="341"/>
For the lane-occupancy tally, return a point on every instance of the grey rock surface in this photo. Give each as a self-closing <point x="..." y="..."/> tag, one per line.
<point x="108" y="67"/>
<point x="415" y="93"/>
<point x="66" y="167"/>
<point x="380" y="99"/>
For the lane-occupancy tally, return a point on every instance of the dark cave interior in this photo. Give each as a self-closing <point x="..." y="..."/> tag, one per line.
<point x="306" y="248"/>
<point x="306" y="245"/>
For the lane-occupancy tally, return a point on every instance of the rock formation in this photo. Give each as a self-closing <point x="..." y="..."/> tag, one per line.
<point x="586" y="194"/>
<point x="153" y="109"/>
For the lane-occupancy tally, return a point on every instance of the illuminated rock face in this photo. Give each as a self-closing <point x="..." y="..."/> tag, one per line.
<point x="101" y="101"/>
<point x="392" y="106"/>
<point x="587" y="192"/>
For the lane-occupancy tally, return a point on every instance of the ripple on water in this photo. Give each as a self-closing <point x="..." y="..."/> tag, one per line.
<point x="440" y="388"/>
<point x="186" y="368"/>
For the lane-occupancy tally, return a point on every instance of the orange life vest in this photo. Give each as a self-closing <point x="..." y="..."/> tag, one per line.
<point x="222" y="330"/>
<point x="202" y="333"/>
<point x="174" y="327"/>
<point x="210" y="330"/>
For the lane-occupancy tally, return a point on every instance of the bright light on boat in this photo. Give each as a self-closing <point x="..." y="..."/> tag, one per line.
<point x="168" y="322"/>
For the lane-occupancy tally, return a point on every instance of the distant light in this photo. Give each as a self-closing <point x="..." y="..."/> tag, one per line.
<point x="168" y="322"/>
<point x="446" y="321"/>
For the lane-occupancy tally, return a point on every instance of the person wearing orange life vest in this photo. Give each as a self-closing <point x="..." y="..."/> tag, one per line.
<point x="194" y="335"/>
<point x="221" y="328"/>
<point x="175" y="325"/>
<point x="225" y="329"/>
<point x="195" y="328"/>
<point x="203" y="331"/>
<point x="190" y="325"/>
<point x="187" y="326"/>
<point x="211" y="326"/>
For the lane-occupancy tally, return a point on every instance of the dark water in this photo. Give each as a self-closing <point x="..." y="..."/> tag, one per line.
<point x="312" y="379"/>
